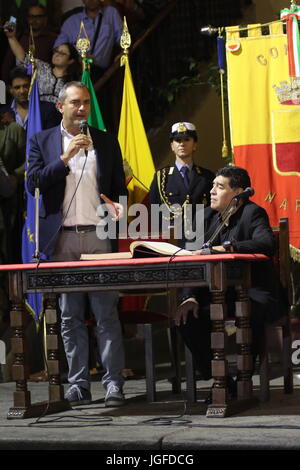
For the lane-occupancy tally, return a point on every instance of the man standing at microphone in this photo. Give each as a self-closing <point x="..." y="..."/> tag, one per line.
<point x="75" y="166"/>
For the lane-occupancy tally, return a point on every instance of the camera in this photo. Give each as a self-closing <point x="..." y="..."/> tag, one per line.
<point x="10" y="25"/>
<point x="8" y="28"/>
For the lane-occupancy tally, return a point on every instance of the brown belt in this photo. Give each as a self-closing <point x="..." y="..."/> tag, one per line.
<point x="80" y="228"/>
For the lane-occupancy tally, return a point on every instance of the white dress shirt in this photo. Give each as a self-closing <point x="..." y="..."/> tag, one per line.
<point x="83" y="208"/>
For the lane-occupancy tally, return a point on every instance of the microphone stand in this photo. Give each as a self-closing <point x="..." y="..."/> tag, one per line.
<point x="228" y="212"/>
<point x="36" y="256"/>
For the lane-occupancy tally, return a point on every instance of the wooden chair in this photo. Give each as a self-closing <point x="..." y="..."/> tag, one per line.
<point x="137" y="315"/>
<point x="281" y="328"/>
<point x="147" y="319"/>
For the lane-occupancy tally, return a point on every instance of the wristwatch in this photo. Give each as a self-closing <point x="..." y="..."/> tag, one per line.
<point x="228" y="246"/>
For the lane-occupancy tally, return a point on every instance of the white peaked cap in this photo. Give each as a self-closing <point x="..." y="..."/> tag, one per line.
<point x="183" y="127"/>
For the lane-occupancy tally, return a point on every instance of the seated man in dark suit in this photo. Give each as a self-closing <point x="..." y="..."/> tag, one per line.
<point x="247" y="231"/>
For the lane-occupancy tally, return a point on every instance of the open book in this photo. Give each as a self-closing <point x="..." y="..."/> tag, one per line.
<point x="142" y="249"/>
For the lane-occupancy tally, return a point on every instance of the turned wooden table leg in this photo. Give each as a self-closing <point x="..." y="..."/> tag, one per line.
<point x="243" y="340"/>
<point x="23" y="408"/>
<point x="56" y="391"/>
<point x="219" y="361"/>
<point x="221" y="406"/>
<point x="20" y="372"/>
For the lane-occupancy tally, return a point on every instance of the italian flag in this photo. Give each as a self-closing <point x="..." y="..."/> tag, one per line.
<point x="292" y="16"/>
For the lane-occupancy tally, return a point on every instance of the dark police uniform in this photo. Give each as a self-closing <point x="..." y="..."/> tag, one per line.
<point x="168" y="188"/>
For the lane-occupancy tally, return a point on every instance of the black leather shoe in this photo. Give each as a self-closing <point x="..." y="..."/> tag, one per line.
<point x="232" y="387"/>
<point x="208" y="399"/>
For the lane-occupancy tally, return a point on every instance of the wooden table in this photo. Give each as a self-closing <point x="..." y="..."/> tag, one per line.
<point x="215" y="271"/>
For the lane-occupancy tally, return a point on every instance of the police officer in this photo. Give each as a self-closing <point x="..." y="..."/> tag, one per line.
<point x="184" y="182"/>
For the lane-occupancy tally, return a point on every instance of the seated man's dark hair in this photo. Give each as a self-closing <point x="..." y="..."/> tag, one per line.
<point x="238" y="177"/>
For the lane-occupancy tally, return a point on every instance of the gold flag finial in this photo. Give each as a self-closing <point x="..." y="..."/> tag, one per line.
<point x="31" y="47"/>
<point x="125" y="40"/>
<point x="83" y="42"/>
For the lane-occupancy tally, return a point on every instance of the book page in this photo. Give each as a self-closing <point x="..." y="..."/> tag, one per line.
<point x="161" y="248"/>
<point x="121" y="255"/>
<point x="141" y="249"/>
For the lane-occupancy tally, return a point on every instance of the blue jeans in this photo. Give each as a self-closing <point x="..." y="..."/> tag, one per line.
<point x="74" y="332"/>
<point x="103" y="305"/>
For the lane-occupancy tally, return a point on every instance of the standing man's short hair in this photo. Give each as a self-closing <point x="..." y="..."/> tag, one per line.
<point x="63" y="92"/>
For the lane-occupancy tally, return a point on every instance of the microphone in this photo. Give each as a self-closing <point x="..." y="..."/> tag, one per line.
<point x="248" y="192"/>
<point x="36" y="256"/>
<point x="83" y="126"/>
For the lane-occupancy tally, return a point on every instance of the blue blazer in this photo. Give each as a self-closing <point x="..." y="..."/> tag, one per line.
<point x="45" y="164"/>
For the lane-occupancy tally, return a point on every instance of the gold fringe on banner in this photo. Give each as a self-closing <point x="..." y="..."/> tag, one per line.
<point x="252" y="27"/>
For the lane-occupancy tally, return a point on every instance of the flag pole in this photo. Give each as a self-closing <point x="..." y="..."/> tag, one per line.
<point x="221" y="64"/>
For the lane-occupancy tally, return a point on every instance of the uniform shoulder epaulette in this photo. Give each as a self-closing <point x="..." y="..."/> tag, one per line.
<point x="198" y="169"/>
<point x="167" y="170"/>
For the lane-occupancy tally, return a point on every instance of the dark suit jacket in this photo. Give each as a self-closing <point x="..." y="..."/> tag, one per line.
<point x="250" y="232"/>
<point x="45" y="163"/>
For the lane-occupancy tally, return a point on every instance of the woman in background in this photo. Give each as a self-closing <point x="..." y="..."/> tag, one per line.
<point x="65" y="67"/>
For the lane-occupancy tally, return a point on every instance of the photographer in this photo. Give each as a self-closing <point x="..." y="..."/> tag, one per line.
<point x="37" y="20"/>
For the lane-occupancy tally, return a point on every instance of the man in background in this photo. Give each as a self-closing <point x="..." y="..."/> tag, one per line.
<point x="44" y="39"/>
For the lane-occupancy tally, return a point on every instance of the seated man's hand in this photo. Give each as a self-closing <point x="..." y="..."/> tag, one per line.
<point x="181" y="314"/>
<point x="214" y="249"/>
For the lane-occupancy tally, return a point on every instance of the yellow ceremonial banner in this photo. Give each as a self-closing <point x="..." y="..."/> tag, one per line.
<point x="139" y="167"/>
<point x="265" y="120"/>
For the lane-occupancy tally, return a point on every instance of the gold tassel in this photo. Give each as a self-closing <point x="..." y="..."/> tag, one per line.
<point x="224" y="147"/>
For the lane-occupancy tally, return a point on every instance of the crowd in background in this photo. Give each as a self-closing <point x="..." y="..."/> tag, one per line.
<point x="161" y="57"/>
